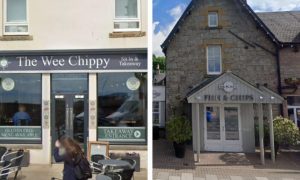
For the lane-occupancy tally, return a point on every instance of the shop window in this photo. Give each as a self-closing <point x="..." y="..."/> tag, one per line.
<point x="127" y="15"/>
<point x="122" y="107"/>
<point x="15" y="22"/>
<point x="20" y="108"/>
<point x="294" y="109"/>
<point x="213" y="19"/>
<point x="214" y="61"/>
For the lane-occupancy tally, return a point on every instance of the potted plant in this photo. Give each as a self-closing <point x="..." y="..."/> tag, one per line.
<point x="286" y="132"/>
<point x="179" y="131"/>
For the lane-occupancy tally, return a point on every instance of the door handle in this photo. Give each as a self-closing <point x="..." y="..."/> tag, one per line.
<point x="71" y="118"/>
<point x="67" y="120"/>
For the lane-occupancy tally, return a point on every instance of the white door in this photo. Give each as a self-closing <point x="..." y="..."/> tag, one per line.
<point x="222" y="128"/>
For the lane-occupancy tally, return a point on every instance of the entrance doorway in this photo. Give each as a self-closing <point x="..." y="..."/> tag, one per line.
<point x="70" y="107"/>
<point x="222" y="125"/>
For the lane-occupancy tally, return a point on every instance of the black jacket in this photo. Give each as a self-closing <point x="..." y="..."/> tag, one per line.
<point x="69" y="165"/>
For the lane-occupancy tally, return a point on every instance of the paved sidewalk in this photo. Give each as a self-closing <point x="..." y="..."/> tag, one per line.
<point x="46" y="172"/>
<point x="221" y="166"/>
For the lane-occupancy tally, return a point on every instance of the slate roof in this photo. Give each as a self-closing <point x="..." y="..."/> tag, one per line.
<point x="202" y="84"/>
<point x="285" y="25"/>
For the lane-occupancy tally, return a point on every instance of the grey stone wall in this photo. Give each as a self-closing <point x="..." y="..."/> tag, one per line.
<point x="186" y="53"/>
<point x="289" y="68"/>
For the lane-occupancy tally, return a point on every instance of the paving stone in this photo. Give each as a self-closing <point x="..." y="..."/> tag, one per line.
<point x="261" y="178"/>
<point x="174" y="178"/>
<point x="187" y="176"/>
<point x="163" y="175"/>
<point x="211" y="177"/>
<point x="236" y="178"/>
<point x="198" y="178"/>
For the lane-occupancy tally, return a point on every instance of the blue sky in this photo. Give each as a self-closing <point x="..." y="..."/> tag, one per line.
<point x="167" y="12"/>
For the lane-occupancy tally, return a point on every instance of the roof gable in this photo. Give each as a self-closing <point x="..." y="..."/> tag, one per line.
<point x="242" y="3"/>
<point x="229" y="88"/>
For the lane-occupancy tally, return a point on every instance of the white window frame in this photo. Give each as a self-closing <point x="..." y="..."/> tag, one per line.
<point x="120" y="20"/>
<point x="207" y="61"/>
<point x="294" y="108"/>
<point x="16" y="24"/>
<point x="209" y="18"/>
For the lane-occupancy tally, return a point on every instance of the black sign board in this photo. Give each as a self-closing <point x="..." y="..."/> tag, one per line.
<point x="72" y="62"/>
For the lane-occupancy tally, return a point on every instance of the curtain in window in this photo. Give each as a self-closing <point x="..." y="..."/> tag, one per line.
<point x="214" y="58"/>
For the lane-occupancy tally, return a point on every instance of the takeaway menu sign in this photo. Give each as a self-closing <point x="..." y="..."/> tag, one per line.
<point x="73" y="63"/>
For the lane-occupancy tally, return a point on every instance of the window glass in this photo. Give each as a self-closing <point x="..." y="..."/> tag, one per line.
<point x="155" y="113"/>
<point x="16" y="11"/>
<point x="126" y="9"/>
<point x="126" y="15"/>
<point x="122" y="107"/>
<point x="76" y="83"/>
<point x="20" y="107"/>
<point x="293" y="100"/>
<point x="213" y="123"/>
<point x="214" y="59"/>
<point x="126" y="25"/>
<point x="213" y="19"/>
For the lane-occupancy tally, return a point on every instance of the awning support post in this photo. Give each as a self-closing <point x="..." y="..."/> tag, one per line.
<point x="198" y="131"/>
<point x="272" y="144"/>
<point x="261" y="133"/>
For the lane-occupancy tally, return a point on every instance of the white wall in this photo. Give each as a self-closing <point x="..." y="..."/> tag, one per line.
<point x="73" y="24"/>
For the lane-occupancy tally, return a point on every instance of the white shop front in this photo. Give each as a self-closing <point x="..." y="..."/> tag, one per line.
<point x="224" y="109"/>
<point x="90" y="95"/>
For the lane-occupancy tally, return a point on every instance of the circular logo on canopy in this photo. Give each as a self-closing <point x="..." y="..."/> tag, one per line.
<point x="133" y="83"/>
<point x="137" y="134"/>
<point x="228" y="86"/>
<point x="8" y="84"/>
<point x="3" y="63"/>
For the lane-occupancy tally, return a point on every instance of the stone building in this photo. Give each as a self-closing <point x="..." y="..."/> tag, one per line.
<point x="217" y="53"/>
<point x="286" y="27"/>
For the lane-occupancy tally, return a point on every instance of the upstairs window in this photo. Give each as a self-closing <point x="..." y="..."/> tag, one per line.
<point x="213" y="19"/>
<point x="15" y="14"/>
<point x="214" y="60"/>
<point x="127" y="15"/>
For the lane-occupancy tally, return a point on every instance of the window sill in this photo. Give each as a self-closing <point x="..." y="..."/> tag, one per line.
<point x="16" y="38"/>
<point x="126" y="34"/>
<point x="23" y="146"/>
<point x="211" y="75"/>
<point x="214" y="28"/>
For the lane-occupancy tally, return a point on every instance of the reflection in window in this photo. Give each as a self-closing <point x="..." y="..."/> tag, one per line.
<point x="122" y="99"/>
<point x="20" y="99"/>
<point x="213" y="123"/>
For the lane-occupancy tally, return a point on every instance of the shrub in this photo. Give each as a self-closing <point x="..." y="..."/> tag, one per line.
<point x="285" y="131"/>
<point x="179" y="129"/>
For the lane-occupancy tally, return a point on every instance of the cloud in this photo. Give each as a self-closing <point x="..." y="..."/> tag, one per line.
<point x="160" y="32"/>
<point x="274" y="5"/>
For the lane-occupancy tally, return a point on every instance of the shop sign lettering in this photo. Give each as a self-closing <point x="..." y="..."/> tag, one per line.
<point x="235" y="98"/>
<point x="20" y="133"/>
<point x="119" y="134"/>
<point x="73" y="62"/>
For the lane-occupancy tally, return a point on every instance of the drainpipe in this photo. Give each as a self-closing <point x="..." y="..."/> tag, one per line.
<point x="279" y="75"/>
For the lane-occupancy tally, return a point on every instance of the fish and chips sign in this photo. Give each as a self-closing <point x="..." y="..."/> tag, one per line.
<point x="73" y="62"/>
<point x="227" y="95"/>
